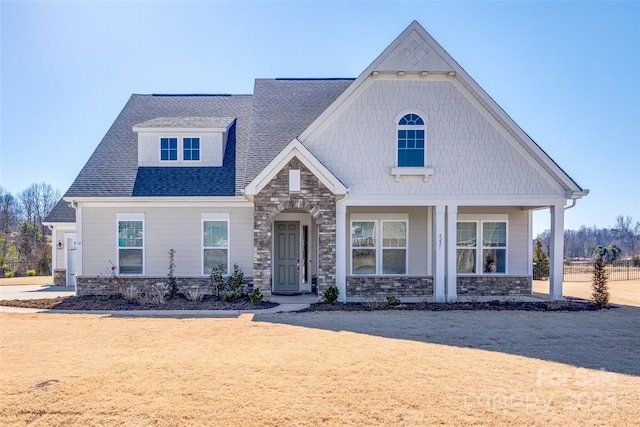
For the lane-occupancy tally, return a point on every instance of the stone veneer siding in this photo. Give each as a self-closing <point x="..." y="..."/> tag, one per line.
<point x="105" y="286"/>
<point x="60" y="277"/>
<point x="406" y="286"/>
<point x="494" y="285"/>
<point x="314" y="198"/>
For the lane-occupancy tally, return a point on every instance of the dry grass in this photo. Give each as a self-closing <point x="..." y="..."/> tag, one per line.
<point x="626" y="292"/>
<point x="20" y="281"/>
<point x="343" y="369"/>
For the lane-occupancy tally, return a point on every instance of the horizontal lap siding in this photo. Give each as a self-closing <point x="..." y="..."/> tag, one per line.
<point x="165" y="228"/>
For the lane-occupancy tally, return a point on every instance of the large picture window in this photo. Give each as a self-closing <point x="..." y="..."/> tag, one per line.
<point x="481" y="247"/>
<point x="215" y="245"/>
<point x="411" y="141"/>
<point x="130" y="245"/>
<point x="378" y="246"/>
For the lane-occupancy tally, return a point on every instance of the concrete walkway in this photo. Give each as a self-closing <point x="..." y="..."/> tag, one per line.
<point x="34" y="292"/>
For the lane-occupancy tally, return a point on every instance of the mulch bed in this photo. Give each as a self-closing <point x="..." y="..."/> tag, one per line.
<point x="178" y="302"/>
<point x="568" y="305"/>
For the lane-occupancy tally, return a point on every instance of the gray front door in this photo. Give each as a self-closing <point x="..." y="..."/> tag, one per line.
<point x="286" y="256"/>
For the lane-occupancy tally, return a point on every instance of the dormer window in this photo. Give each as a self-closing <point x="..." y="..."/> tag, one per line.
<point x="411" y="141"/>
<point x="191" y="149"/>
<point x="168" y="149"/>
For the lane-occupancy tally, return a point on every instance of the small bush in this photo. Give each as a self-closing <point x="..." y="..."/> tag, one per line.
<point x="600" y="295"/>
<point x="103" y="297"/>
<point x="235" y="282"/>
<point x="216" y="279"/>
<point x="155" y="296"/>
<point x="228" y="296"/>
<point x="172" y="284"/>
<point x="256" y="296"/>
<point x="8" y="274"/>
<point x="130" y="293"/>
<point x="31" y="273"/>
<point x="196" y="294"/>
<point x="393" y="300"/>
<point x="330" y="295"/>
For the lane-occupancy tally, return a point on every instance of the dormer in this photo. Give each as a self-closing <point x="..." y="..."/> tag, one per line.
<point x="182" y="141"/>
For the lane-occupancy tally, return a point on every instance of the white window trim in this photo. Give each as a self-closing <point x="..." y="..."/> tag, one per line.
<point x="181" y="150"/>
<point x="397" y="172"/>
<point x="222" y="217"/>
<point x="180" y="155"/>
<point x="160" y="138"/>
<point x="480" y="219"/>
<point x="379" y="219"/>
<point x="139" y="216"/>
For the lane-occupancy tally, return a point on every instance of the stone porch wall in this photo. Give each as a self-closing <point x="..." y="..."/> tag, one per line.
<point x="313" y="198"/>
<point x="60" y="277"/>
<point x="494" y="285"/>
<point x="370" y="286"/>
<point x="102" y="286"/>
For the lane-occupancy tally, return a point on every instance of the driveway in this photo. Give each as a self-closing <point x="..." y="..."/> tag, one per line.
<point x="34" y="292"/>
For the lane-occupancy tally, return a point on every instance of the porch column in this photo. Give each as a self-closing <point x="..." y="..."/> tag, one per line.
<point x="452" y="278"/>
<point x="341" y="251"/>
<point x="557" y="252"/>
<point x="439" y="276"/>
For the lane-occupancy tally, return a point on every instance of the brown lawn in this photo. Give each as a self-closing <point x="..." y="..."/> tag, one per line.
<point x="337" y="369"/>
<point x="625" y="292"/>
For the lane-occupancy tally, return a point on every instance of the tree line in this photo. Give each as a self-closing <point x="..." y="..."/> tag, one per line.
<point x="25" y="242"/>
<point x="585" y="242"/>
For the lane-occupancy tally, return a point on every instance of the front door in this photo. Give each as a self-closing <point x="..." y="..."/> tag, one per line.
<point x="286" y="259"/>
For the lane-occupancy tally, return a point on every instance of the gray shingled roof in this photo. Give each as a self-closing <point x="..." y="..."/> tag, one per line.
<point x="61" y="212"/>
<point x="187" y="122"/>
<point x="265" y="122"/>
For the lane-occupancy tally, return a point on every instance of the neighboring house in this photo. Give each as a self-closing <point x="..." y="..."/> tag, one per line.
<point x="408" y="180"/>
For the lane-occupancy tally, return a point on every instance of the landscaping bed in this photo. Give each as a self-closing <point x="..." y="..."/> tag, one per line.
<point x="567" y="305"/>
<point x="178" y="302"/>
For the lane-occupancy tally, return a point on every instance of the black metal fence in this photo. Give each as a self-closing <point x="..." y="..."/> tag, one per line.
<point x="582" y="270"/>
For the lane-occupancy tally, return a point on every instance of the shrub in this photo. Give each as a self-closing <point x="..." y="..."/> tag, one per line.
<point x="393" y="300"/>
<point x="216" y="279"/>
<point x="228" y="296"/>
<point x="255" y="296"/>
<point x="130" y="293"/>
<point x="330" y="295"/>
<point x="235" y="282"/>
<point x="541" y="262"/>
<point x="31" y="273"/>
<point x="196" y="294"/>
<point x="171" y="283"/>
<point x="600" y="295"/>
<point x="8" y="274"/>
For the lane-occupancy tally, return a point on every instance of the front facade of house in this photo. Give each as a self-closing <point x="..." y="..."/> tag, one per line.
<point x="408" y="180"/>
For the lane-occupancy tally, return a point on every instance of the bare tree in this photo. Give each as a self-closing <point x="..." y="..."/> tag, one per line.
<point x="9" y="212"/>
<point x="36" y="202"/>
<point x="628" y="232"/>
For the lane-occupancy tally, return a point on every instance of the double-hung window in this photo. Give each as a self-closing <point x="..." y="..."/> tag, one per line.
<point x="215" y="242"/>
<point x="481" y="246"/>
<point x="168" y="149"/>
<point x="191" y="149"/>
<point x="379" y="244"/>
<point x="130" y="244"/>
<point x="411" y="141"/>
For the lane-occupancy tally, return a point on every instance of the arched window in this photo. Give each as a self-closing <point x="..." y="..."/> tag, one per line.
<point x="411" y="141"/>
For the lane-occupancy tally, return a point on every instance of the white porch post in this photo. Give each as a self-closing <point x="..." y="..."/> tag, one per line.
<point x="557" y="252"/>
<point x="452" y="278"/>
<point x="341" y="251"/>
<point x="439" y="276"/>
<point x="54" y="253"/>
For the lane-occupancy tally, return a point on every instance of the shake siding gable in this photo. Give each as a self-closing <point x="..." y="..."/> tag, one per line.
<point x="469" y="155"/>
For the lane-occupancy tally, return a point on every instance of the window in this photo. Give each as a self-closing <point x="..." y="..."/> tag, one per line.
<point x="411" y="141"/>
<point x="485" y="238"/>
<point x="378" y="246"/>
<point x="215" y="245"/>
<point x="130" y="245"/>
<point x="168" y="149"/>
<point x="191" y="149"/>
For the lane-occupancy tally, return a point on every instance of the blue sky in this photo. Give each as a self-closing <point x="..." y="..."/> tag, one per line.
<point x="567" y="72"/>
